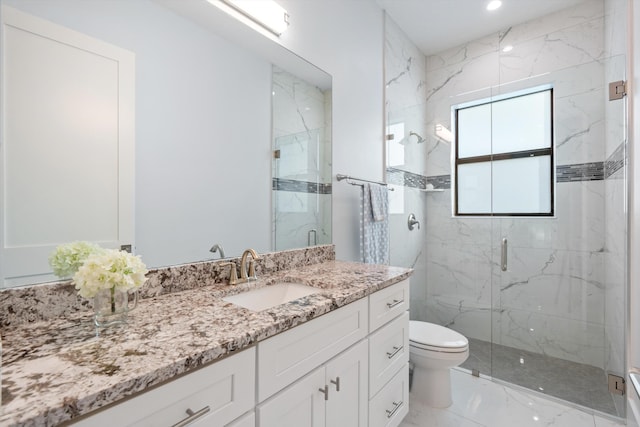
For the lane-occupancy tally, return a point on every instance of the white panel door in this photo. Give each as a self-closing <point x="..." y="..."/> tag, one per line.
<point x="300" y="405"/>
<point x="347" y="377"/>
<point x="67" y="143"/>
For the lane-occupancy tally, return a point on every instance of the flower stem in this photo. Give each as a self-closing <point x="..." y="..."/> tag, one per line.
<point x="113" y="299"/>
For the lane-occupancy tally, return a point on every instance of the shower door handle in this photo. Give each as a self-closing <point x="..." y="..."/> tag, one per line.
<point x="503" y="259"/>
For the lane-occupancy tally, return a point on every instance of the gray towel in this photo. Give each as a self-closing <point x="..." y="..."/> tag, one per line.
<point x="374" y="224"/>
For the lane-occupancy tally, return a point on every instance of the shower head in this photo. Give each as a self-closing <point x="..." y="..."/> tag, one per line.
<point x="407" y="139"/>
<point x="420" y="139"/>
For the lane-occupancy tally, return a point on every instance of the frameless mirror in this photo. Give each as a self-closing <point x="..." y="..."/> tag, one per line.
<point x="204" y="135"/>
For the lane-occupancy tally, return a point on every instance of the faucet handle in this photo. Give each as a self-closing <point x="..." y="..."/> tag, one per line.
<point x="233" y="273"/>
<point x="252" y="270"/>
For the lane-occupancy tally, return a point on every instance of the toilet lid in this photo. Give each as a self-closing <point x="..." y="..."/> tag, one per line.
<point x="430" y="336"/>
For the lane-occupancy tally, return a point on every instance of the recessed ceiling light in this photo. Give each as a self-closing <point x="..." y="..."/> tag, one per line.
<point x="507" y="48"/>
<point x="493" y="5"/>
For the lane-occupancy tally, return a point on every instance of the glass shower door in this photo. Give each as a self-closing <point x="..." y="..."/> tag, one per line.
<point x="559" y="300"/>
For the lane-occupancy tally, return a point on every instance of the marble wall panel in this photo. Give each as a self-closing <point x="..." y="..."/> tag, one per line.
<point x="570" y="17"/>
<point x="580" y="128"/>
<point x="568" y="339"/>
<point x="465" y="53"/>
<point x="563" y="284"/>
<point x="462" y="314"/>
<point x="404" y="69"/>
<point x="580" y="44"/>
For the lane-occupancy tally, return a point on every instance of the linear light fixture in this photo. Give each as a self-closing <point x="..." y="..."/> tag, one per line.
<point x="266" y="13"/>
<point x="443" y="133"/>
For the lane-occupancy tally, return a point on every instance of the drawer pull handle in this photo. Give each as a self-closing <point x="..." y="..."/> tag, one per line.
<point x="394" y="303"/>
<point x="394" y="352"/>
<point x="396" y="406"/>
<point x="337" y="383"/>
<point x="192" y="417"/>
<point x="325" y="391"/>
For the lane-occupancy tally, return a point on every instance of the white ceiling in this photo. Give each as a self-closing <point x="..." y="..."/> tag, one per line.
<point x="437" y="25"/>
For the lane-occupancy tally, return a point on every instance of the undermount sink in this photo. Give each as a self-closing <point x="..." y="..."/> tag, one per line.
<point x="270" y="296"/>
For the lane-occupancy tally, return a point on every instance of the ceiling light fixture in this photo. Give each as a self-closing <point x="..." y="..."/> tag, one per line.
<point x="493" y="5"/>
<point x="266" y="13"/>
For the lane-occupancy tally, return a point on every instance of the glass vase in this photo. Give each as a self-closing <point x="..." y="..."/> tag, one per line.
<point x="111" y="307"/>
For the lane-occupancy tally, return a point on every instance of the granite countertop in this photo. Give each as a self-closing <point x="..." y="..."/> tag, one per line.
<point x="57" y="370"/>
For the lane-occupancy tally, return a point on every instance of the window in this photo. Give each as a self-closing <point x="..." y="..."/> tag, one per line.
<point x="504" y="156"/>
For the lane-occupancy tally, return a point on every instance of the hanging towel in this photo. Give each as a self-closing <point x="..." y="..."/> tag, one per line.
<point x="374" y="224"/>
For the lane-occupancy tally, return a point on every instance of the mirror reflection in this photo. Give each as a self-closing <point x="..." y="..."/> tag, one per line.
<point x="203" y="185"/>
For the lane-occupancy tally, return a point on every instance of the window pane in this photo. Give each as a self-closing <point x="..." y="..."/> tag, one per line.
<point x="522" y="185"/>
<point x="474" y="188"/>
<point x="474" y="131"/>
<point x="522" y="123"/>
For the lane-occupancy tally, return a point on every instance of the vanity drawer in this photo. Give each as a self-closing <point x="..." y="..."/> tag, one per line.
<point x="284" y="358"/>
<point x="391" y="404"/>
<point x="388" y="352"/>
<point x="388" y="303"/>
<point x="226" y="387"/>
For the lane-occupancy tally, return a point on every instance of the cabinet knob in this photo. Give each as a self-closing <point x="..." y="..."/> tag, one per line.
<point x="337" y="383"/>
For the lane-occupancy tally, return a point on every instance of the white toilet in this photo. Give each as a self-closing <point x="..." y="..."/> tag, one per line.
<point x="434" y="350"/>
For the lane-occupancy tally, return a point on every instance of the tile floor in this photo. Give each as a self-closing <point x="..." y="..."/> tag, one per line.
<point x="574" y="382"/>
<point x="479" y="402"/>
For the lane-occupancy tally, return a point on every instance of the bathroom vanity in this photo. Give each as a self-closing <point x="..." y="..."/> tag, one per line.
<point x="336" y="357"/>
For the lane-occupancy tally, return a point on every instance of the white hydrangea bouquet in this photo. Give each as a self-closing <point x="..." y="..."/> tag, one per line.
<point x="106" y="275"/>
<point x="68" y="258"/>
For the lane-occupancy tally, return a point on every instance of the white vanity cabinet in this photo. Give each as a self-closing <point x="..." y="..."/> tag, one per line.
<point x="347" y="368"/>
<point x="215" y="395"/>
<point x="373" y="374"/>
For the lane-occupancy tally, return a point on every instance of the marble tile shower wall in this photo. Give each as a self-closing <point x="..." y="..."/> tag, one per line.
<point x="552" y="298"/>
<point x="302" y="178"/>
<point x="405" y="106"/>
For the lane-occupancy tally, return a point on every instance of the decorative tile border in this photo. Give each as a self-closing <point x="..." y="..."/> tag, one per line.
<point x="580" y="172"/>
<point x="58" y="299"/>
<point x="595" y="171"/>
<point x="615" y="162"/>
<point x="282" y="184"/>
<point x="406" y="179"/>
<point x="440" y="182"/>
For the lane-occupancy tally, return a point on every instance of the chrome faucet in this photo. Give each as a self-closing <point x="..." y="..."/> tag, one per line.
<point x="217" y="247"/>
<point x="244" y="277"/>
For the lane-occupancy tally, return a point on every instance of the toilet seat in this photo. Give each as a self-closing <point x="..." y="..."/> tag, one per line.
<point x="432" y="337"/>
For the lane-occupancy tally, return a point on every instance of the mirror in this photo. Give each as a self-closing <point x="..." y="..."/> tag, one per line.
<point x="204" y="136"/>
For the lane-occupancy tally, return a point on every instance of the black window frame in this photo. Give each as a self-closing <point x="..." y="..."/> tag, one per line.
<point x="490" y="158"/>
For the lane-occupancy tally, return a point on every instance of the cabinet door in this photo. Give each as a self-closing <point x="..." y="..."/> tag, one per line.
<point x="300" y="405"/>
<point x="347" y="379"/>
